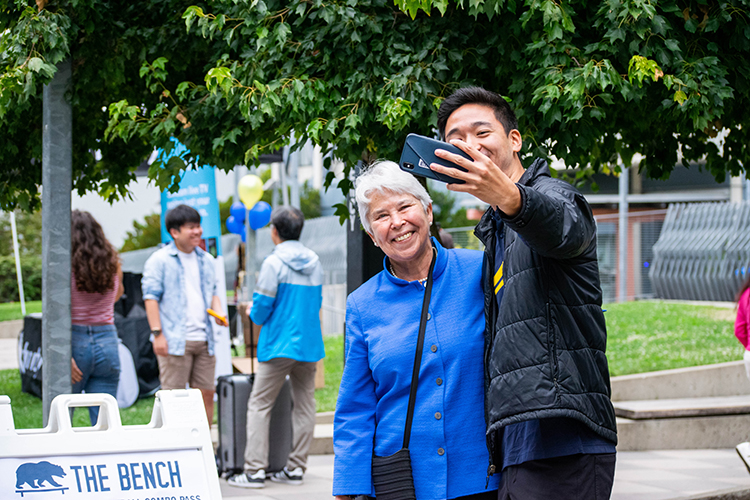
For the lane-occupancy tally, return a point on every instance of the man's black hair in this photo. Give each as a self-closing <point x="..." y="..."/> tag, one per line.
<point x="477" y="95"/>
<point x="288" y="222"/>
<point x="181" y="215"/>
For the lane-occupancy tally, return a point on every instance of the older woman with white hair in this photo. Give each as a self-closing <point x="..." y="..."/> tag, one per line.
<point x="449" y="456"/>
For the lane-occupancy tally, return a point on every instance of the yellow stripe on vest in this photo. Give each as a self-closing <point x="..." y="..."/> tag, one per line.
<point x="499" y="274"/>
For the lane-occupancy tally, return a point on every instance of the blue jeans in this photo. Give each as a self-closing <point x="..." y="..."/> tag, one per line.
<point x="95" y="353"/>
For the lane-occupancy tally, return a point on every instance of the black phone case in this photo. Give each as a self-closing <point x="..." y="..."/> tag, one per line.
<point x="419" y="152"/>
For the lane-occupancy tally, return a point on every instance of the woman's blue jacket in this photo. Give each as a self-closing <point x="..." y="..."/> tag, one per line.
<point x="448" y="450"/>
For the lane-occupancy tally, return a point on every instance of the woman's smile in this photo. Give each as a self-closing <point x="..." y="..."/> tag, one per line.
<point x="403" y="237"/>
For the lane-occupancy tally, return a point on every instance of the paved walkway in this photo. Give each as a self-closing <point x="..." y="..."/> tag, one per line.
<point x="640" y="475"/>
<point x="8" y="353"/>
<point x="671" y="474"/>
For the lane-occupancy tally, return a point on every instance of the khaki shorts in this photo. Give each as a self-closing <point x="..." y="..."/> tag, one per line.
<point x="196" y="367"/>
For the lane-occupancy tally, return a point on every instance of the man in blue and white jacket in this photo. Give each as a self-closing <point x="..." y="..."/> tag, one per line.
<point x="286" y="301"/>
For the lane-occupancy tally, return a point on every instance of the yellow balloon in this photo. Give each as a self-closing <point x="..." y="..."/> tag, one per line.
<point x="250" y="190"/>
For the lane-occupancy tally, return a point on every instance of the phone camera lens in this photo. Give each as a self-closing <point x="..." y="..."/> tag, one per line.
<point x="409" y="166"/>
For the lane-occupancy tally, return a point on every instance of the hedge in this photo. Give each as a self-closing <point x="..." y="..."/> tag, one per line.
<point x="31" y="270"/>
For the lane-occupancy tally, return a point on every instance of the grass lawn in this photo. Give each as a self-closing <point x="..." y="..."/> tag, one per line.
<point x="27" y="409"/>
<point x="646" y="336"/>
<point x="642" y="336"/>
<point x="325" y="398"/>
<point x="12" y="310"/>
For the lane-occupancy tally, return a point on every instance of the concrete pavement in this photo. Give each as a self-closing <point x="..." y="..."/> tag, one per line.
<point x="639" y="475"/>
<point x="678" y="474"/>
<point x="8" y="353"/>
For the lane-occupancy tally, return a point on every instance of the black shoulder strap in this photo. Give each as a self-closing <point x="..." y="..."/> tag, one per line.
<point x="420" y="347"/>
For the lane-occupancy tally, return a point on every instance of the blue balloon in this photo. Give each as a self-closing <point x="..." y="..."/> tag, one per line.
<point x="238" y="211"/>
<point x="259" y="215"/>
<point x="235" y="226"/>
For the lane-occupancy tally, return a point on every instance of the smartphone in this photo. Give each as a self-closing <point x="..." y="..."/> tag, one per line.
<point x="419" y="152"/>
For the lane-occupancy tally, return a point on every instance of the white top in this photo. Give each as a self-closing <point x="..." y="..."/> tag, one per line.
<point x="195" y="316"/>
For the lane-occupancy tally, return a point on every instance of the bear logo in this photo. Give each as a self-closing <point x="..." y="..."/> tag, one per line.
<point x="36" y="474"/>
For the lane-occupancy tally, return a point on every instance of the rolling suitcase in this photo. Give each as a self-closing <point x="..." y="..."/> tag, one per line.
<point x="233" y="394"/>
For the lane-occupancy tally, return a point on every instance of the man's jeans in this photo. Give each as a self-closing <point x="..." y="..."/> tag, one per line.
<point x="269" y="378"/>
<point x="95" y="353"/>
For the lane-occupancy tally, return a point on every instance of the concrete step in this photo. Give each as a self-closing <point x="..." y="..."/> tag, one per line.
<point x="322" y="438"/>
<point x="634" y="435"/>
<point x="721" y="379"/>
<point x="699" y="407"/>
<point x="324" y="417"/>
<point x="683" y="433"/>
<point x="683" y="407"/>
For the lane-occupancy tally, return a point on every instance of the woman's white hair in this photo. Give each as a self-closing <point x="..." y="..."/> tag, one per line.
<point x="383" y="176"/>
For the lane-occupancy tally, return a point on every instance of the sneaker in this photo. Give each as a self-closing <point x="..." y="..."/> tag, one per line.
<point x="288" y="477"/>
<point x="246" y="480"/>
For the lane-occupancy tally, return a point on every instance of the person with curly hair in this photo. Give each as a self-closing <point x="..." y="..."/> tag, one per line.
<point x="95" y="286"/>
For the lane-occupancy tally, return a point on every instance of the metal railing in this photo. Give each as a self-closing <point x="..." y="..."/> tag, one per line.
<point x="703" y="252"/>
<point x="644" y="228"/>
<point x="698" y="251"/>
<point x="643" y="231"/>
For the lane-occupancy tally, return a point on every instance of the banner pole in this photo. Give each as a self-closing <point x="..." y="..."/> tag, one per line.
<point x="18" y="262"/>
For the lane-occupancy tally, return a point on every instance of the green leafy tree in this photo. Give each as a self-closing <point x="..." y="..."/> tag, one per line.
<point x="224" y="212"/>
<point x="309" y="200"/>
<point x="108" y="44"/>
<point x="445" y="212"/>
<point x="29" y="230"/>
<point x="589" y="80"/>
<point x="144" y="234"/>
<point x="147" y="234"/>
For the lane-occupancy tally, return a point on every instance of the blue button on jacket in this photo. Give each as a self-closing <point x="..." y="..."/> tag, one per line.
<point x="448" y="451"/>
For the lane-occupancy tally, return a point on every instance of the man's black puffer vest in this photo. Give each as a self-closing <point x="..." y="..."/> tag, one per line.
<point x="545" y="347"/>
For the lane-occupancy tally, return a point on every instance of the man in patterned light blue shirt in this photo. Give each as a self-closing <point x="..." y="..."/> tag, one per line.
<point x="286" y="301"/>
<point x="179" y="284"/>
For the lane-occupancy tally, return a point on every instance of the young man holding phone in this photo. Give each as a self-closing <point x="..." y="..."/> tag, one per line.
<point x="550" y="422"/>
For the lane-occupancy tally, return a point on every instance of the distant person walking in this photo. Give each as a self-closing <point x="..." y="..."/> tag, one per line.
<point x="742" y="323"/>
<point x="286" y="302"/>
<point x="95" y="286"/>
<point x="179" y="284"/>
